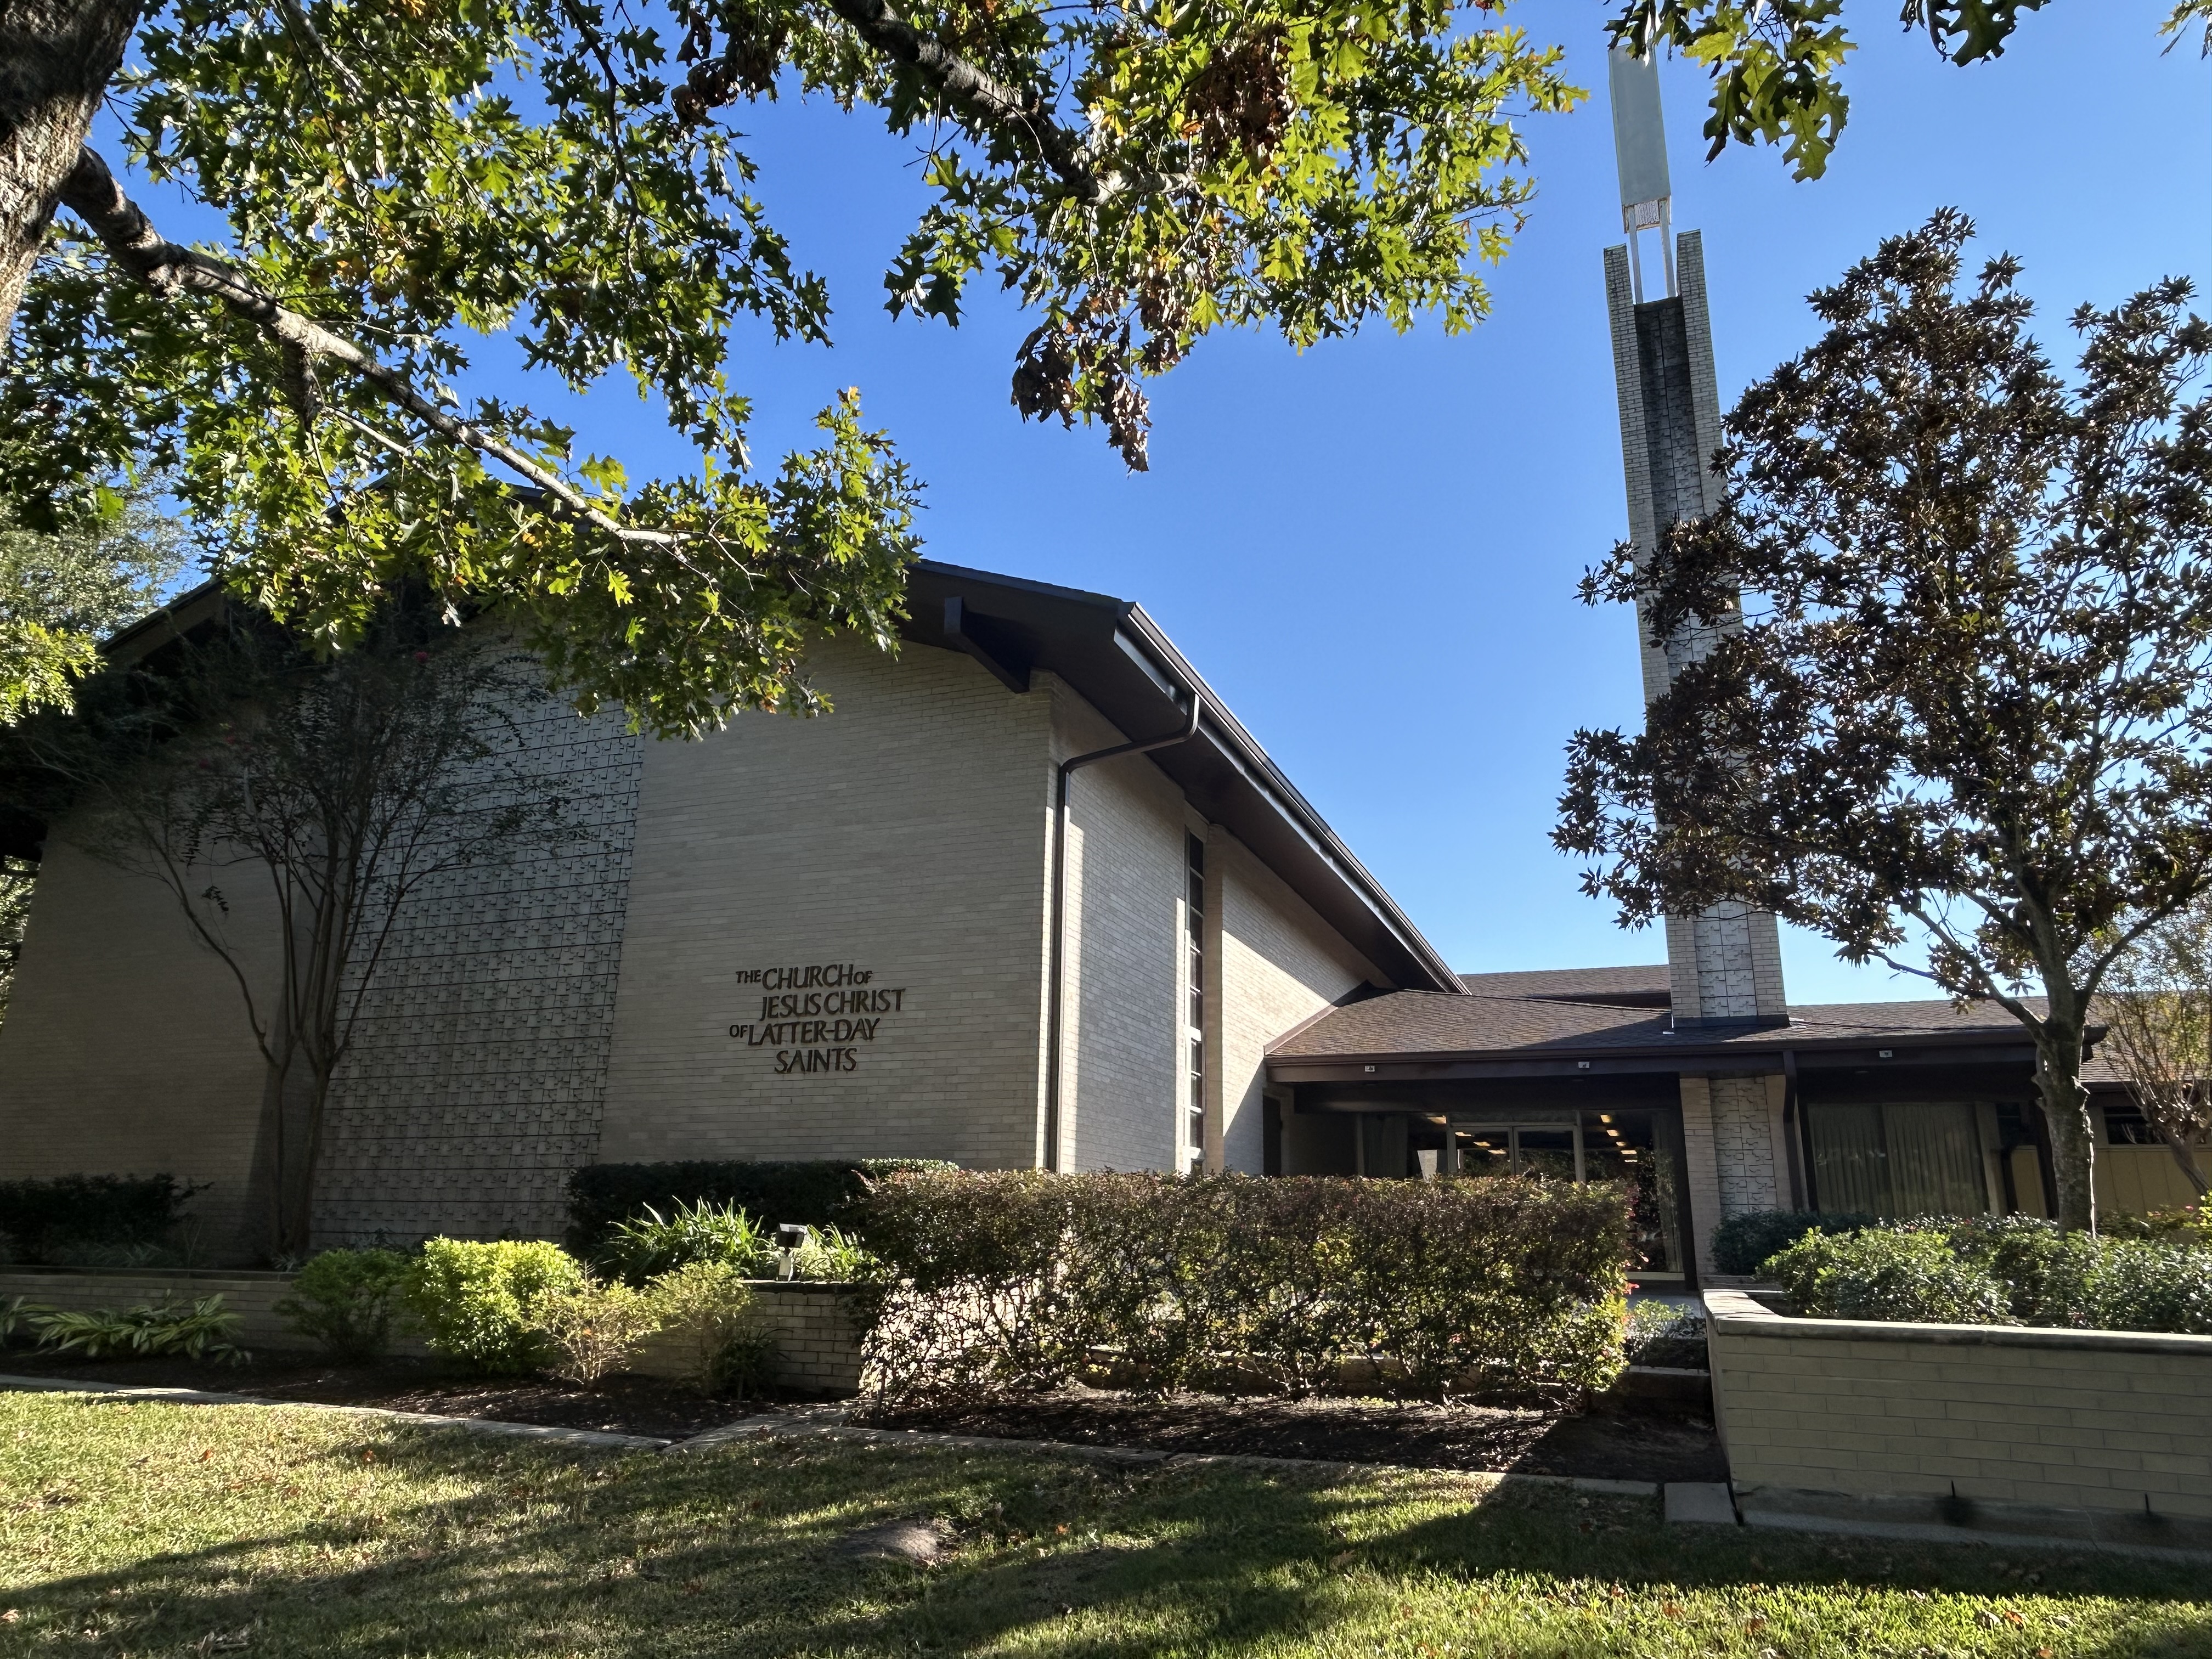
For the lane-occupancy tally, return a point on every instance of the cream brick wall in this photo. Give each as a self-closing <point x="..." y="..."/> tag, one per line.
<point x="1121" y="1080"/>
<point x="2067" y="1419"/>
<point x="903" y="834"/>
<point x="126" y="1048"/>
<point x="817" y="1345"/>
<point x="1280" y="964"/>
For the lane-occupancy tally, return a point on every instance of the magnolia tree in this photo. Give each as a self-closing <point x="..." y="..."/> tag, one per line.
<point x="1967" y="696"/>
<point x="293" y="808"/>
<point x="394" y="180"/>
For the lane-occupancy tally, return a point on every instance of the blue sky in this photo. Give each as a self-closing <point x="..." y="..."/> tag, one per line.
<point x="1370" y="549"/>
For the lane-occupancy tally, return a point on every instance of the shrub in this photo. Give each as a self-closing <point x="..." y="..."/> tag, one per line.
<point x="704" y="1304"/>
<point x="63" y="1220"/>
<point x="1742" y="1242"/>
<point x="346" y="1301"/>
<point x="189" y="1330"/>
<point x="1009" y="1281"/>
<point x="2190" y="1224"/>
<point x="837" y="1256"/>
<point x="818" y="1192"/>
<point x="649" y="1245"/>
<point x="1662" y="1334"/>
<point x="595" y="1328"/>
<point x="1888" y="1274"/>
<point x="2146" y="1286"/>
<point x="477" y="1302"/>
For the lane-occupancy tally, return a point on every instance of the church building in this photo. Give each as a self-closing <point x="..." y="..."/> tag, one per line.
<point x="1031" y="896"/>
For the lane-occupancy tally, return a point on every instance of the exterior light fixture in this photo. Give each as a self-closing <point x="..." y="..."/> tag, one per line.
<point x="1582" y="1065"/>
<point x="1885" y="1054"/>
<point x="791" y="1239"/>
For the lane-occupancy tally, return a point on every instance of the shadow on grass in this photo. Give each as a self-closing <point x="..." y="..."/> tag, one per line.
<point x="478" y="1547"/>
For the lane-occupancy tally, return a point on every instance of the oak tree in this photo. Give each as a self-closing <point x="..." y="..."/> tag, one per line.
<point x="1967" y="691"/>
<point x="400" y="177"/>
<point x="1777" y="65"/>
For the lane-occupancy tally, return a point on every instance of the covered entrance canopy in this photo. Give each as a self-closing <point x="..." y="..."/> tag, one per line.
<point x="1884" y="1108"/>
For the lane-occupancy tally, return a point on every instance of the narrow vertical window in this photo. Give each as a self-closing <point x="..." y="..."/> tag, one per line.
<point x="1194" y="1013"/>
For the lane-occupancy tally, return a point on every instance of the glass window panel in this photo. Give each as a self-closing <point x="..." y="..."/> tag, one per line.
<point x="1626" y="1147"/>
<point x="1851" y="1171"/>
<point x="1935" y="1160"/>
<point x="1547" y="1153"/>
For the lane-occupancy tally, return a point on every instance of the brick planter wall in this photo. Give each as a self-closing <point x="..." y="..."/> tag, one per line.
<point x="2099" y="1435"/>
<point x="818" y="1344"/>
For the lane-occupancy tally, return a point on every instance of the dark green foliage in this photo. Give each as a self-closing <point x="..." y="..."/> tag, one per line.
<point x="186" y="1330"/>
<point x="1009" y="1281"/>
<point x="1743" y="1241"/>
<point x="647" y="1246"/>
<point x="2001" y="1270"/>
<point x="1888" y="1274"/>
<point x="814" y="1191"/>
<point x="47" y="1219"/>
<point x="346" y="1301"/>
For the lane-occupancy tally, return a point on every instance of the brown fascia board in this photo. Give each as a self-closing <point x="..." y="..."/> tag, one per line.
<point x="1960" y="1047"/>
<point x="186" y="613"/>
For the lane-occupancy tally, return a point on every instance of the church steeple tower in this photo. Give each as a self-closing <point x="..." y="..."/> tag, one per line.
<point x="1725" y="965"/>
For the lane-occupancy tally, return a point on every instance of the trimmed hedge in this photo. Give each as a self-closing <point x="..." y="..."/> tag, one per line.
<point x="1007" y="1281"/>
<point x="1999" y="1270"/>
<point x="818" y="1192"/>
<point x="39" y="1219"/>
<point x="1743" y="1242"/>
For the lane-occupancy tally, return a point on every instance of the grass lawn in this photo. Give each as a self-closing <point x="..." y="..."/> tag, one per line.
<point x="145" y="1530"/>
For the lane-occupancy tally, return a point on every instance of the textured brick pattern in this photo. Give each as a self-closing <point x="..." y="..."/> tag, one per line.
<point x="2087" y="1420"/>
<point x="479" y="1064"/>
<point x="1744" y="1113"/>
<point x="903" y="834"/>
<point x="1727" y="963"/>
<point x="1280" y="964"/>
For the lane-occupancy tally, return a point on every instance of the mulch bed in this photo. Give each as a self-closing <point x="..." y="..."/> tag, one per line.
<point x="1622" y="1447"/>
<point x="1618" y="1447"/>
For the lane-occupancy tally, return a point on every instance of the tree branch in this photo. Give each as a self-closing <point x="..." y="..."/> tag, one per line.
<point x="92" y="193"/>
<point x="992" y="102"/>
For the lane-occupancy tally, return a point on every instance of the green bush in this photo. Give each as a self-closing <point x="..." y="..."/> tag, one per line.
<point x="1888" y="1274"/>
<point x="1009" y="1281"/>
<point x="346" y="1301"/>
<point x="2004" y="1270"/>
<point x="1742" y="1242"/>
<point x="817" y="1192"/>
<point x="187" y="1330"/>
<point x="94" y="1221"/>
<point x="704" y="1303"/>
<point x="837" y="1256"/>
<point x="477" y="1303"/>
<point x="595" y="1328"/>
<point x="650" y="1244"/>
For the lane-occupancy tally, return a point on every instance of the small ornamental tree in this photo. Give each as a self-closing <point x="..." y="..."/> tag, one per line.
<point x="1969" y="688"/>
<point x="397" y="178"/>
<point x="2157" y="1013"/>
<point x="291" y="801"/>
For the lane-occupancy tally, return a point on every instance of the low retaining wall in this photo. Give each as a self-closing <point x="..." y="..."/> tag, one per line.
<point x="817" y="1344"/>
<point x="2099" y="1435"/>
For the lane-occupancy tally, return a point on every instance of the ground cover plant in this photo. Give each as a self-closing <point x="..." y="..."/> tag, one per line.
<point x="1016" y="1281"/>
<point x="2002" y="1270"/>
<point x="159" y="1530"/>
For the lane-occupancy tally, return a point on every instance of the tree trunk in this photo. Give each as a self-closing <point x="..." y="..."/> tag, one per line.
<point x="2066" y="1110"/>
<point x="56" y="57"/>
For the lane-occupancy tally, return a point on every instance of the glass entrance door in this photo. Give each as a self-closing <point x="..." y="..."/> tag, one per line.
<point x="1634" y="1148"/>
